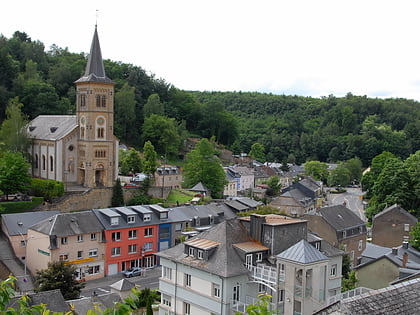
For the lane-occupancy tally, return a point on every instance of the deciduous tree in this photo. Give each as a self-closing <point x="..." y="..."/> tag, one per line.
<point x="14" y="173"/>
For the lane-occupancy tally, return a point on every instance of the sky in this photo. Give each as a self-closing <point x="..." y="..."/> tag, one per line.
<point x="293" y="47"/>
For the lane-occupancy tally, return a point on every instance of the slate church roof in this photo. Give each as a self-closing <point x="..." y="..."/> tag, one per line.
<point x="51" y="127"/>
<point x="95" y="71"/>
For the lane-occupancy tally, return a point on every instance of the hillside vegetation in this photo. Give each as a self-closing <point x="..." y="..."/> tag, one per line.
<point x="291" y="128"/>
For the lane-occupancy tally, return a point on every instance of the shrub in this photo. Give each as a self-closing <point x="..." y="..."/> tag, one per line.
<point x="47" y="188"/>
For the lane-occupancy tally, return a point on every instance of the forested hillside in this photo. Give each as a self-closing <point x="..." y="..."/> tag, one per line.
<point x="291" y="128"/>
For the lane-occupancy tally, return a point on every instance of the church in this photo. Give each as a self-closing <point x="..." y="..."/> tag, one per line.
<point x="80" y="149"/>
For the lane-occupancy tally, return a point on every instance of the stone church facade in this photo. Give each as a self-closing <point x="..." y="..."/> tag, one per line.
<point x="80" y="149"/>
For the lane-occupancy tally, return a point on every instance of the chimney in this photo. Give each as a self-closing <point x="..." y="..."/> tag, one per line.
<point x="405" y="260"/>
<point x="256" y="226"/>
<point x="405" y="245"/>
<point x="395" y="251"/>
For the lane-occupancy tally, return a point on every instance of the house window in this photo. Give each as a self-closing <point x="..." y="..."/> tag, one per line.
<point x="132" y="234"/>
<point x="167" y="273"/>
<point x="216" y="290"/>
<point x="235" y="295"/>
<point x="259" y="257"/>
<point x="63" y="257"/>
<point x="93" y="252"/>
<point x="200" y="254"/>
<point x="178" y="227"/>
<point x="93" y="236"/>
<point x="318" y="245"/>
<point x="211" y="219"/>
<point x="187" y="308"/>
<point x="132" y="248"/>
<point x="131" y="219"/>
<point x="82" y="100"/>
<point x="187" y="280"/>
<point x="115" y="221"/>
<point x="406" y="227"/>
<point x="116" y="251"/>
<point x="103" y="101"/>
<point x="148" y="247"/>
<point x="261" y="288"/>
<point x="93" y="270"/>
<point x="148" y="232"/>
<point x="333" y="270"/>
<point x="98" y="100"/>
<point x="23" y="243"/>
<point x="79" y="254"/>
<point x="197" y="221"/>
<point x="116" y="236"/>
<point x="191" y="251"/>
<point x="360" y="247"/>
<point x="63" y="240"/>
<point x="80" y="238"/>
<point x="344" y="234"/>
<point x="166" y="300"/>
<point x="164" y="215"/>
<point x="147" y="217"/>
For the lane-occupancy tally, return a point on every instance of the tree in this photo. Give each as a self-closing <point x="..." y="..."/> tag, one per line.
<point x="59" y="275"/>
<point x="117" y="199"/>
<point x="318" y="170"/>
<point x="130" y="161"/>
<point x="261" y="307"/>
<point x="415" y="233"/>
<point x="258" y="152"/>
<point x="153" y="106"/>
<point x="125" y="113"/>
<point x="150" y="163"/>
<point x="354" y="166"/>
<point x="163" y="133"/>
<point x="14" y="173"/>
<point x="339" y="176"/>
<point x="204" y="166"/>
<point x="13" y="132"/>
<point x="274" y="185"/>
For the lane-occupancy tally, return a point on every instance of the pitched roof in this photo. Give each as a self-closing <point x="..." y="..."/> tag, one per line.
<point x="66" y="224"/>
<point x="396" y="208"/>
<point x="225" y="261"/>
<point x="402" y="298"/>
<point x="17" y="223"/>
<point x="340" y="217"/>
<point x="122" y="285"/>
<point x="95" y="71"/>
<point x="51" y="127"/>
<point x="199" y="187"/>
<point x="302" y="252"/>
<point x="53" y="299"/>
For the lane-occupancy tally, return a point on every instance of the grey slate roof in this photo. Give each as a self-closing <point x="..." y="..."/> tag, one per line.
<point x="251" y="203"/>
<point x="11" y="220"/>
<point x="236" y="205"/>
<point x="302" y="252"/>
<point x="199" y="188"/>
<point x="122" y="285"/>
<point x="95" y="71"/>
<point x="373" y="251"/>
<point x="402" y="298"/>
<point x="103" y="301"/>
<point x="51" y="127"/>
<point x="225" y="261"/>
<point x="340" y="217"/>
<point x="398" y="209"/>
<point x="66" y="224"/>
<point x="53" y="299"/>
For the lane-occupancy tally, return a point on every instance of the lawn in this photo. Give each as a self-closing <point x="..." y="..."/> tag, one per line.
<point x="179" y="195"/>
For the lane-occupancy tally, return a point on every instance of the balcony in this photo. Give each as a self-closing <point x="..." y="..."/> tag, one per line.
<point x="347" y="294"/>
<point x="264" y="274"/>
<point x="239" y="306"/>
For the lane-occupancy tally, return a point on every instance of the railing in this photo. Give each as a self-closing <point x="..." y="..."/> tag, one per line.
<point x="239" y="306"/>
<point x="263" y="273"/>
<point x="347" y="294"/>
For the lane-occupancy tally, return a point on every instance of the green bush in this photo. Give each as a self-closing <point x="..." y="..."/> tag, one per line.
<point x="20" y="206"/>
<point x="47" y="188"/>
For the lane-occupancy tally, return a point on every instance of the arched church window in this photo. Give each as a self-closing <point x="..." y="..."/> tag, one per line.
<point x="98" y="101"/>
<point x="82" y="100"/>
<point x="36" y="162"/>
<point x="44" y="163"/>
<point x="103" y="101"/>
<point x="51" y="163"/>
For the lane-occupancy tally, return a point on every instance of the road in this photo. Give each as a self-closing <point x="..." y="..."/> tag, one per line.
<point x="102" y="286"/>
<point x="352" y="200"/>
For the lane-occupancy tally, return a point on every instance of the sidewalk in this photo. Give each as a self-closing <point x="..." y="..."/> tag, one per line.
<point x="16" y="268"/>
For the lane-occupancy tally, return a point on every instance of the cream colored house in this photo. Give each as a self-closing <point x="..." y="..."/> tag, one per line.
<point x="75" y="238"/>
<point x="80" y="149"/>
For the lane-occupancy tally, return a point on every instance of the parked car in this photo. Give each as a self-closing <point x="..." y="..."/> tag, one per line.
<point x="139" y="177"/>
<point x="133" y="272"/>
<point x="131" y="185"/>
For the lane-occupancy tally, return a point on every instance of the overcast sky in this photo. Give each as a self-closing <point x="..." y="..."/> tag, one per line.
<point x="308" y="47"/>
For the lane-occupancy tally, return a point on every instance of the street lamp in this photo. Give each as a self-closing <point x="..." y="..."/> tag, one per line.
<point x="20" y="224"/>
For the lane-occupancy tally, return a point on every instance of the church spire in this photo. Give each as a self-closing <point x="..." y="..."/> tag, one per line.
<point x="95" y="71"/>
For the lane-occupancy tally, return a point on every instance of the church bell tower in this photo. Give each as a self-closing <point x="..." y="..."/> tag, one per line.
<point x="97" y="145"/>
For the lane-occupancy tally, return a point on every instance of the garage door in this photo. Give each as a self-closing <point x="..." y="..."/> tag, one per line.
<point x="112" y="269"/>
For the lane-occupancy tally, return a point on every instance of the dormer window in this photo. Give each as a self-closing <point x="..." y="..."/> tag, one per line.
<point x="163" y="215"/>
<point x="258" y="257"/>
<point x="211" y="219"/>
<point x="147" y="217"/>
<point x="115" y="221"/>
<point x="191" y="251"/>
<point x="200" y="254"/>
<point x="131" y="219"/>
